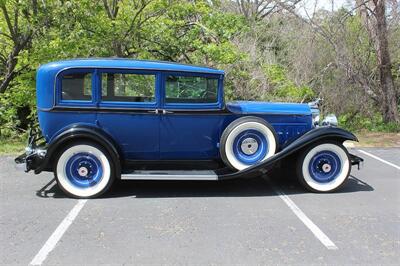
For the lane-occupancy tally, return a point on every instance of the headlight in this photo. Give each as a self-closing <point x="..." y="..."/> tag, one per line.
<point x="330" y="120"/>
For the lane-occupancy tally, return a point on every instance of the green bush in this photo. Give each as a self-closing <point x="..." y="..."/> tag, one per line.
<point x="284" y="88"/>
<point x="17" y="112"/>
<point x="374" y="123"/>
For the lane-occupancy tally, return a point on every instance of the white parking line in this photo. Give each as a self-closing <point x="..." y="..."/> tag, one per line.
<point x="57" y="234"/>
<point x="380" y="159"/>
<point x="321" y="236"/>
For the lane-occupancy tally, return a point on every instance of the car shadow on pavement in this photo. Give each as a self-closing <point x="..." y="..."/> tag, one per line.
<point x="254" y="187"/>
<point x="290" y="185"/>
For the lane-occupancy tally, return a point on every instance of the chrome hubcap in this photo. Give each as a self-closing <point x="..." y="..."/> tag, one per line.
<point x="249" y="146"/>
<point x="83" y="171"/>
<point x="326" y="168"/>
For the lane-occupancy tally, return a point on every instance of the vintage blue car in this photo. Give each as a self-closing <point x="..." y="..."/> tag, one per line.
<point x="107" y="119"/>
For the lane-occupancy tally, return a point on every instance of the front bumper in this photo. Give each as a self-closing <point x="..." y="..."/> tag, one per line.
<point x="355" y="160"/>
<point x="35" y="153"/>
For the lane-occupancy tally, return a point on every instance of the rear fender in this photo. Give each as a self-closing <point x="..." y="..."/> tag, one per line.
<point x="77" y="133"/>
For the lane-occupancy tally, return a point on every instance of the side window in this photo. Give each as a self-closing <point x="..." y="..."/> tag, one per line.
<point x="128" y="87"/>
<point x="76" y="86"/>
<point x="183" y="89"/>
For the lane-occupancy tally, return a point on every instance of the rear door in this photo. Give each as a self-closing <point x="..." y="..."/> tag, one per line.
<point x="191" y="116"/>
<point x="128" y="108"/>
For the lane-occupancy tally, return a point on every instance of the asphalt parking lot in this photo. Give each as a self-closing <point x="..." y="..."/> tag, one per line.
<point x="268" y="220"/>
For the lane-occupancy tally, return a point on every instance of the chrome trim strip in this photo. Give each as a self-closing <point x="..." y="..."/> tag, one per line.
<point x="170" y="175"/>
<point x="145" y="110"/>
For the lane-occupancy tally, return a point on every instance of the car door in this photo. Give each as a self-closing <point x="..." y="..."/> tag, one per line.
<point x="192" y="116"/>
<point x="128" y="111"/>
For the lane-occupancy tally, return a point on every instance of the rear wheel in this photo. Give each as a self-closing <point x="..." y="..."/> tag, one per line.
<point x="84" y="170"/>
<point x="324" y="167"/>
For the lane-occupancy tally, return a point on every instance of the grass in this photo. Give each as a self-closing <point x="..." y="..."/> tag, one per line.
<point x="12" y="147"/>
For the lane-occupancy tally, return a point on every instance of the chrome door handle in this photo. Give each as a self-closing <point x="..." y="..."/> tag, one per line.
<point x="166" y="112"/>
<point x="154" y="111"/>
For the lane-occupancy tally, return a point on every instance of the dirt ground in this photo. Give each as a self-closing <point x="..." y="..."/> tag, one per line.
<point x="378" y="139"/>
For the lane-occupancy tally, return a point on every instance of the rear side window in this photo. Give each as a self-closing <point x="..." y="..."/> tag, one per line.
<point x="185" y="89"/>
<point x="128" y="87"/>
<point x="76" y="86"/>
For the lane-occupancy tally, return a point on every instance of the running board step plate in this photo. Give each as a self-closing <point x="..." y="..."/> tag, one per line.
<point x="170" y="175"/>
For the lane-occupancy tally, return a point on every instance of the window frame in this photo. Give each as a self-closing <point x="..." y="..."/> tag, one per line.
<point x="160" y="81"/>
<point x="201" y="106"/>
<point x="84" y="103"/>
<point x="126" y="104"/>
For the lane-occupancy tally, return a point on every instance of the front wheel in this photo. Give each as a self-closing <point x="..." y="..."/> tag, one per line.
<point x="84" y="170"/>
<point x="324" y="167"/>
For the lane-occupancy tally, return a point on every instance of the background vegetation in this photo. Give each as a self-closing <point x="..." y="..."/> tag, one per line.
<point x="271" y="50"/>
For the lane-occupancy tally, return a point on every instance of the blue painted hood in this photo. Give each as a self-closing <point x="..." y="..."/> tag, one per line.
<point x="250" y="107"/>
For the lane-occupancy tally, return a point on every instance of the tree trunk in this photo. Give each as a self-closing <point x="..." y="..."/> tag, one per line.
<point x="20" y="41"/>
<point x="375" y="23"/>
<point x="389" y="93"/>
<point x="10" y="69"/>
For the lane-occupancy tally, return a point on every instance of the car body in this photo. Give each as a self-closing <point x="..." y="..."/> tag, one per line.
<point x="161" y="120"/>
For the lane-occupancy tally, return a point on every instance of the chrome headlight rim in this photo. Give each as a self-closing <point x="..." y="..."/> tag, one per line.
<point x="330" y="120"/>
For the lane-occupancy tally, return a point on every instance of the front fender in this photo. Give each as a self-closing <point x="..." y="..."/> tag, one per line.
<point x="319" y="133"/>
<point x="312" y="136"/>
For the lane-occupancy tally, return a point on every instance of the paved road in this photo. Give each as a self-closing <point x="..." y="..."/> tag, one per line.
<point x="258" y="221"/>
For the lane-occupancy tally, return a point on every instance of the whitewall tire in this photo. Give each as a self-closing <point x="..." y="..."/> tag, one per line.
<point x="324" y="167"/>
<point x="84" y="170"/>
<point x="247" y="141"/>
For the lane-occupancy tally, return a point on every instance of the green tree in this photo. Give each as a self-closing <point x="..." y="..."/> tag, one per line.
<point x="174" y="30"/>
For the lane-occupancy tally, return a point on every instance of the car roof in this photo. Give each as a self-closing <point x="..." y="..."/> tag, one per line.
<point x="129" y="64"/>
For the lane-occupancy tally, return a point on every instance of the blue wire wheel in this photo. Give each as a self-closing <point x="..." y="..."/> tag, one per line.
<point x="83" y="170"/>
<point x="325" y="167"/>
<point x="249" y="143"/>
